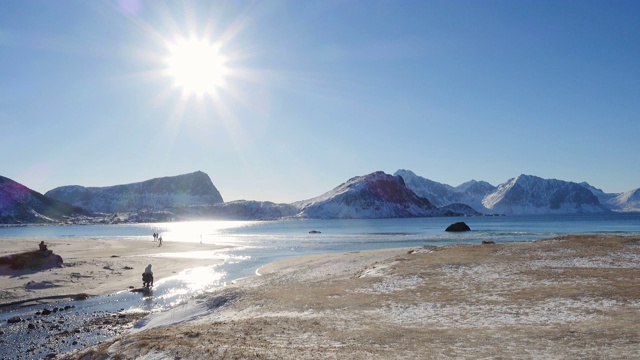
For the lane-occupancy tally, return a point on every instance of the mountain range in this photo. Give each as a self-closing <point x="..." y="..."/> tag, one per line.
<point x="524" y="194"/>
<point x="376" y="195"/>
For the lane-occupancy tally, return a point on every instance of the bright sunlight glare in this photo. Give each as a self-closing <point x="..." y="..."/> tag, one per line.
<point x="196" y="66"/>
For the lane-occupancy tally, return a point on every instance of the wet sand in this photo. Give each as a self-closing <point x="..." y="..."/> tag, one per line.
<point x="93" y="267"/>
<point x="573" y="297"/>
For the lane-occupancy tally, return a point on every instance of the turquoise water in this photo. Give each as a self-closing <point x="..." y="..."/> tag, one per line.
<point x="509" y="228"/>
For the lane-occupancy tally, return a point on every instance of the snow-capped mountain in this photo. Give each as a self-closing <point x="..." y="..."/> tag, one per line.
<point x="527" y="194"/>
<point x="189" y="189"/>
<point x="626" y="202"/>
<point x="377" y="195"/>
<point x="19" y="204"/>
<point x="470" y="193"/>
<point x="524" y="194"/>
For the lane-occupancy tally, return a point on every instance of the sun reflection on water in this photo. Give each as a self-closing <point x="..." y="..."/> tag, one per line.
<point x="189" y="283"/>
<point x="198" y="231"/>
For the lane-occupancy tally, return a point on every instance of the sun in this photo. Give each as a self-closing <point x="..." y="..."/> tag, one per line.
<point x="196" y="66"/>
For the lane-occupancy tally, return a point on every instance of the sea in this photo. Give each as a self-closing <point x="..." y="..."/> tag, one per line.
<point x="252" y="244"/>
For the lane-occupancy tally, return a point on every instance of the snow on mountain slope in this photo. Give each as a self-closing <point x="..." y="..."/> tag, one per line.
<point x="189" y="189"/>
<point x="438" y="194"/>
<point x="19" y="204"/>
<point x="470" y="193"/>
<point x="528" y="194"/>
<point x="603" y="197"/>
<point x="627" y="202"/>
<point x="524" y="194"/>
<point x="377" y="195"/>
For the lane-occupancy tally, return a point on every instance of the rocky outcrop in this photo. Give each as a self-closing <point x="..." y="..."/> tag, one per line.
<point x="32" y="260"/>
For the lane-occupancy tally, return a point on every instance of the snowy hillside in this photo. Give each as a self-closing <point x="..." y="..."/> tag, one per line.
<point x="19" y="204"/>
<point x="524" y="194"/>
<point x="601" y="195"/>
<point x="626" y="202"/>
<point x="377" y="195"/>
<point x="438" y="194"/>
<point x="528" y="194"/>
<point x="470" y="193"/>
<point x="189" y="189"/>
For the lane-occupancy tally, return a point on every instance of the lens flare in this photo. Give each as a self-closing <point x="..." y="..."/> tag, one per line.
<point x="196" y="66"/>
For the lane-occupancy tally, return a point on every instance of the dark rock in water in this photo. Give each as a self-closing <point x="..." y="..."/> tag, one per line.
<point x="458" y="227"/>
<point x="314" y="232"/>
<point x="488" y="242"/>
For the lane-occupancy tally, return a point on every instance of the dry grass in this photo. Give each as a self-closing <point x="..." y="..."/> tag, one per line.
<point x="569" y="298"/>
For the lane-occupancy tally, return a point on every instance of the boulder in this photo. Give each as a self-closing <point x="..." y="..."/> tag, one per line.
<point x="458" y="227"/>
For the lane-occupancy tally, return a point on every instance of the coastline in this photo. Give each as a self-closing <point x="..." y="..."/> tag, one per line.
<point x="93" y="267"/>
<point x="567" y="297"/>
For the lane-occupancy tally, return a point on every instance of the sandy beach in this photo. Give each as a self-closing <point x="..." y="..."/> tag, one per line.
<point x="573" y="297"/>
<point x="93" y="267"/>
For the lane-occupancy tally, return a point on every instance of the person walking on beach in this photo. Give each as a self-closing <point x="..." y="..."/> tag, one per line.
<point x="160" y="239"/>
<point x="155" y="236"/>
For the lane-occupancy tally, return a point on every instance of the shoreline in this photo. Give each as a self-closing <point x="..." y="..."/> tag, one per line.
<point x="573" y="296"/>
<point x="566" y="297"/>
<point x="93" y="267"/>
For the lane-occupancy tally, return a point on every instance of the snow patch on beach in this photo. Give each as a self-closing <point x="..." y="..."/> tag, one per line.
<point x="502" y="279"/>
<point x="376" y="270"/>
<point x="191" y="310"/>
<point x="390" y="285"/>
<point x="423" y="250"/>
<point x="550" y="312"/>
<point x="620" y="261"/>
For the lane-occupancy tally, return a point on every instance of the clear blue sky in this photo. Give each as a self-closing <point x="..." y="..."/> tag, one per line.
<point x="316" y="92"/>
